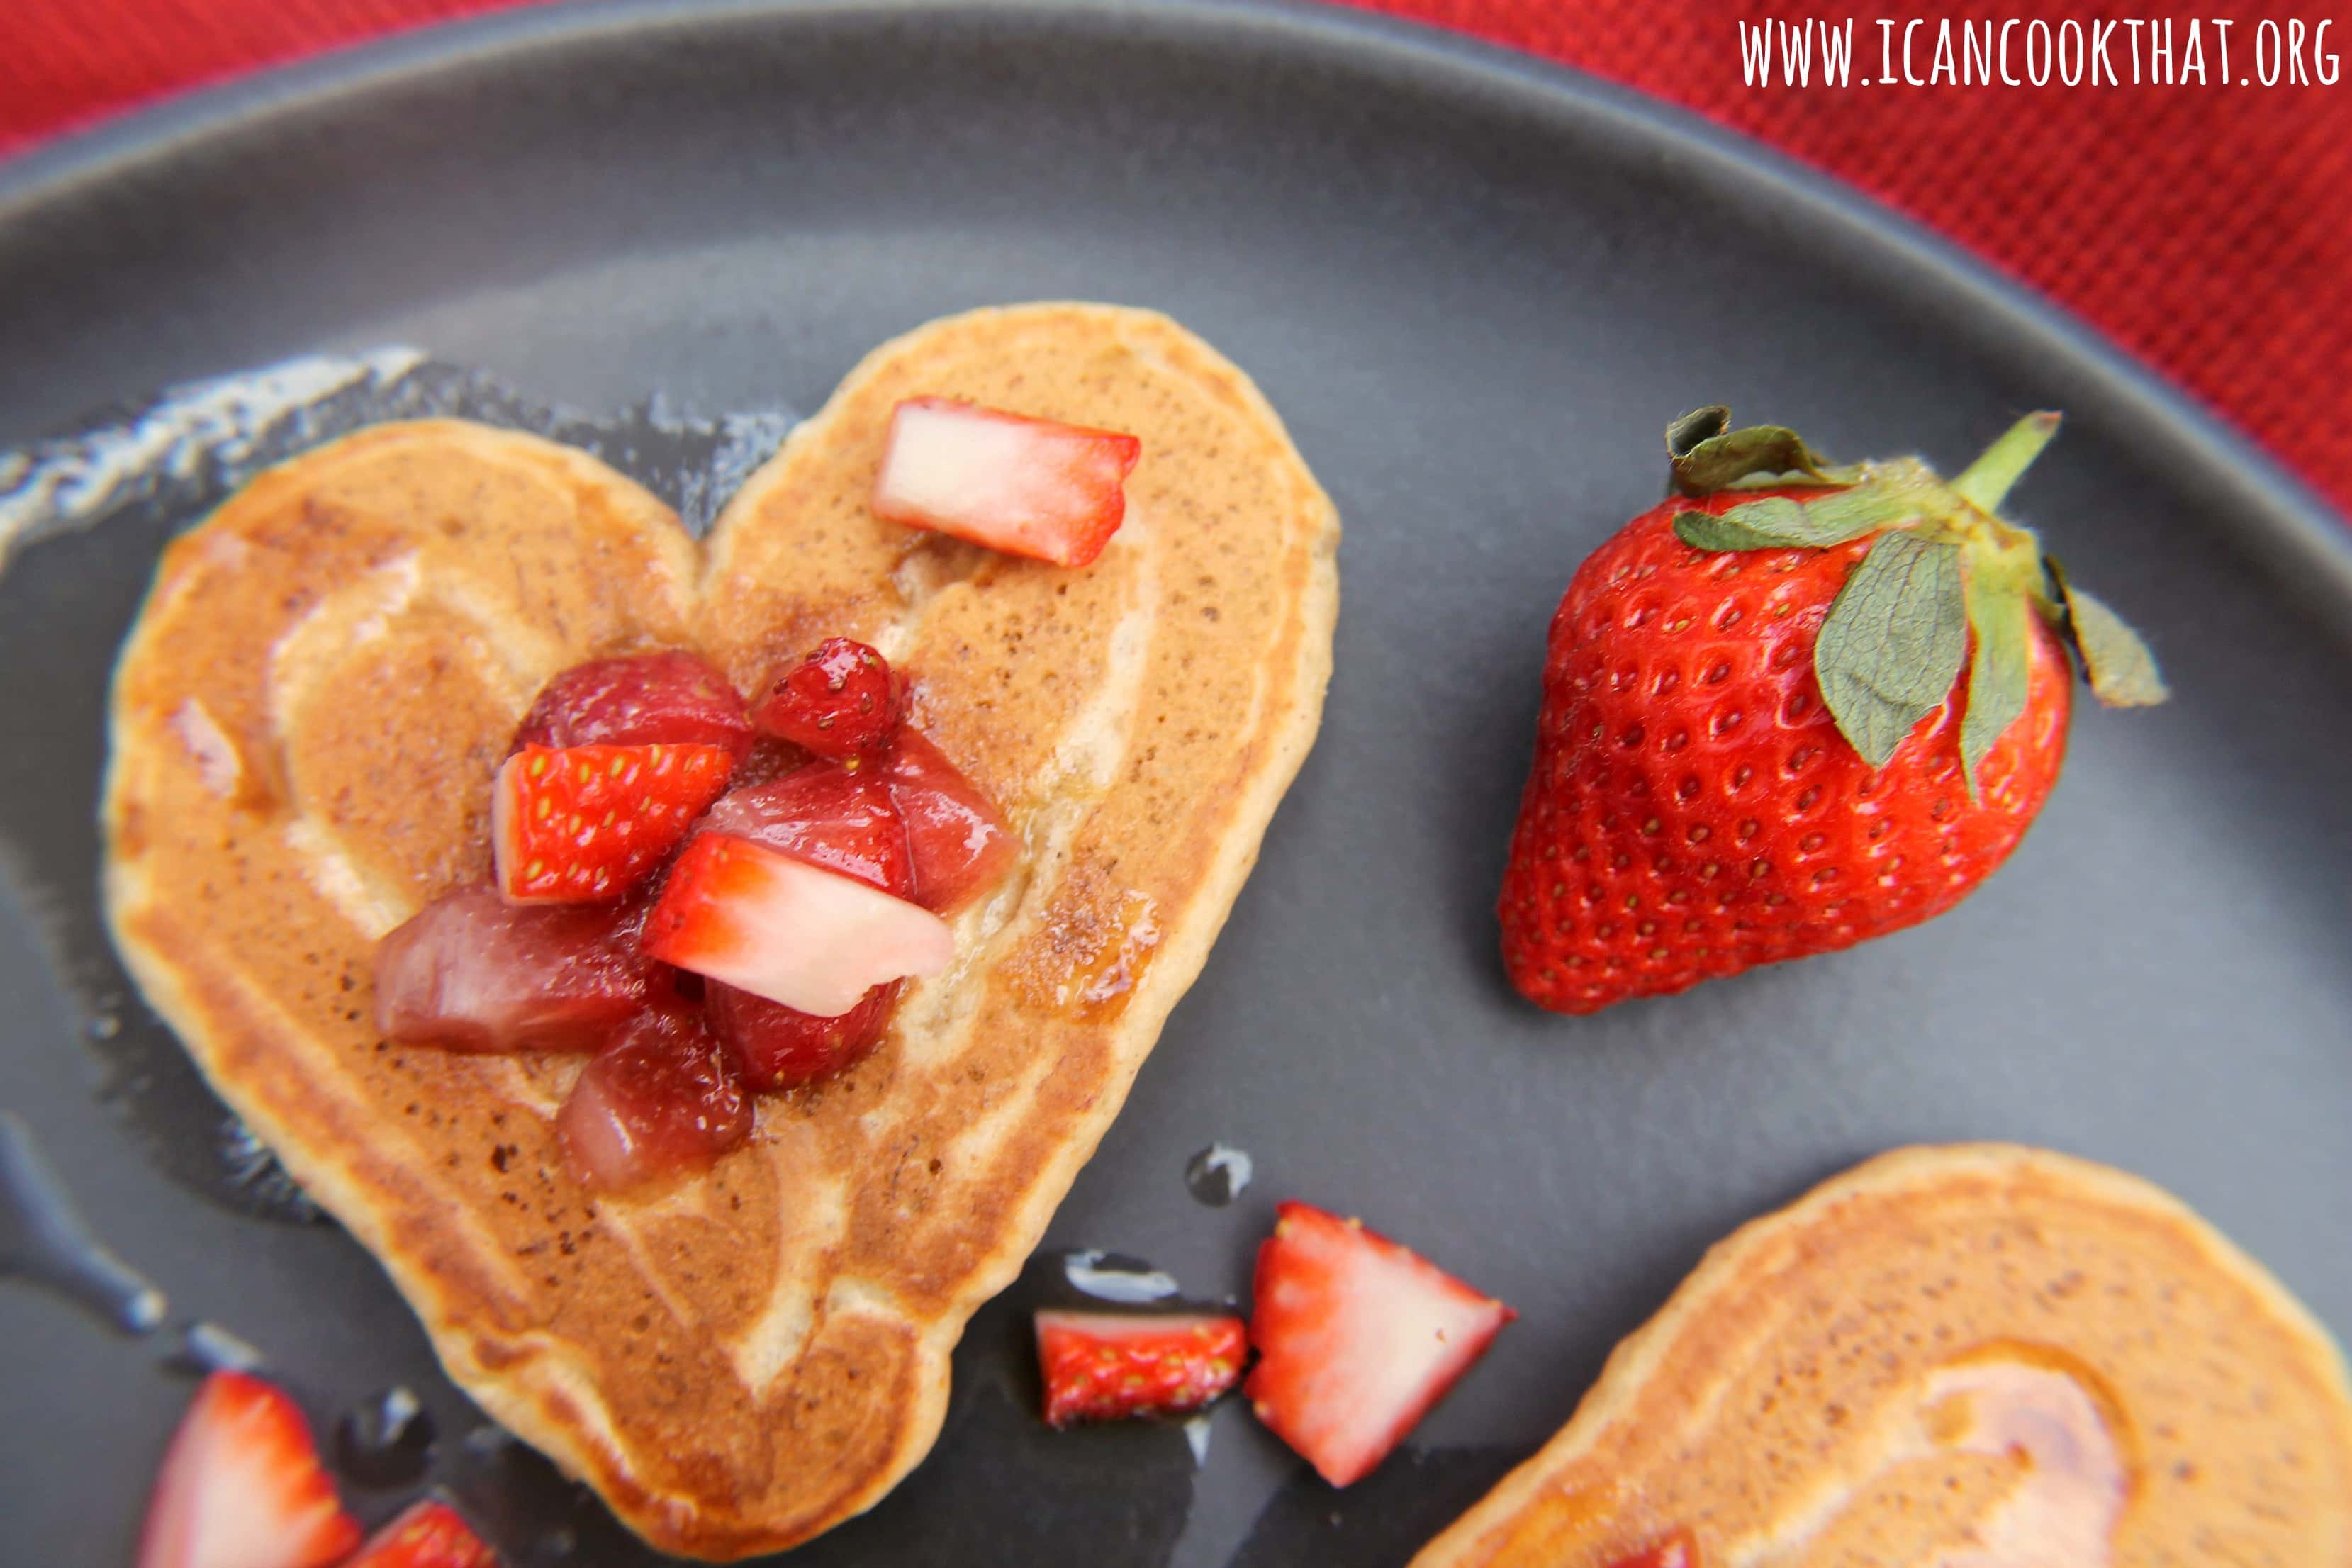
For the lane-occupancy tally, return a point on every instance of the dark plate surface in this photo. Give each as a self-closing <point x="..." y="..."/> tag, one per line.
<point x="1476" y="289"/>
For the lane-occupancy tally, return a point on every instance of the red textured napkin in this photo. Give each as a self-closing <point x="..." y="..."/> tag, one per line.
<point x="2208" y="229"/>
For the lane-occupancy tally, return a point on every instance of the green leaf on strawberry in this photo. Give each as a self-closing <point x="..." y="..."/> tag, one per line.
<point x="2121" y="671"/>
<point x="1894" y="642"/>
<point x="1780" y="522"/>
<point x="1947" y="583"/>
<point x="1880" y="496"/>
<point x="1709" y="455"/>
<point x="1775" y="523"/>
<point x="2000" y="667"/>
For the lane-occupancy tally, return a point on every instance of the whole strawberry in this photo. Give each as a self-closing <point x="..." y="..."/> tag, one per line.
<point x="1791" y="708"/>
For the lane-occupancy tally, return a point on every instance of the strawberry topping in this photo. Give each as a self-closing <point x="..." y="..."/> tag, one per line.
<point x="1027" y="486"/>
<point x="1104" y="1366"/>
<point x="428" y="1534"/>
<point x="778" y="1047"/>
<point x="649" y="699"/>
<point x="786" y="913"/>
<point x="241" y="1487"/>
<point x="829" y="816"/>
<point x="585" y="824"/>
<point x="770" y="760"/>
<point x="1356" y="1338"/>
<point x="784" y="929"/>
<point x="471" y="972"/>
<point x="839" y="701"/>
<point x="661" y="1098"/>
<point x="960" y="845"/>
<point x="846" y="821"/>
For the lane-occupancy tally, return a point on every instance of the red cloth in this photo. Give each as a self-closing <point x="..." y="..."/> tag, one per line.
<point x="2208" y="229"/>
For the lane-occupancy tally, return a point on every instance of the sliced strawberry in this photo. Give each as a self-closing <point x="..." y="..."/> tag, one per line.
<point x="1104" y="1366"/>
<point x="778" y="1047"/>
<point x="1356" y="1338"/>
<point x="242" y="1488"/>
<point x="846" y="821"/>
<point x="841" y="702"/>
<point x="1027" y="486"/>
<point x="642" y="699"/>
<point x="787" y="930"/>
<point x="959" y="842"/>
<point x="428" y="1534"/>
<point x="829" y="816"/>
<point x="1676" y="1551"/>
<point x="661" y="1098"/>
<point x="470" y="972"/>
<point x="586" y="823"/>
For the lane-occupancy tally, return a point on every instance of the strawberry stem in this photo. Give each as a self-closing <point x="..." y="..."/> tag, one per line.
<point x="1986" y="482"/>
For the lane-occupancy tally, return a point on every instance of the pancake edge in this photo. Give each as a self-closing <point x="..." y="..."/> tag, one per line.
<point x="217" y="1020"/>
<point x="1625" y="1377"/>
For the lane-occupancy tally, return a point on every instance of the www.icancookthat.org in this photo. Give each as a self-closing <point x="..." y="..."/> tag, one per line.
<point x="2127" y="51"/>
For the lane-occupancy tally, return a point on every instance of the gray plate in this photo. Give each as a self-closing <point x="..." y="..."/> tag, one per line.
<point x="1477" y="287"/>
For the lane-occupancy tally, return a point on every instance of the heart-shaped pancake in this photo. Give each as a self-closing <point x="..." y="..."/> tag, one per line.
<point x="306" y="720"/>
<point x="1978" y="1356"/>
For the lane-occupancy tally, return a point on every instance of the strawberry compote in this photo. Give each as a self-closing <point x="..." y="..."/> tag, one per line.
<point x="636" y="699"/>
<point x="839" y="870"/>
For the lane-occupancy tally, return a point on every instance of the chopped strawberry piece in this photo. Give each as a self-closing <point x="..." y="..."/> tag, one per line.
<point x="1676" y="1551"/>
<point x="470" y="972"/>
<point x="840" y="702"/>
<point x="586" y="823"/>
<point x="829" y="816"/>
<point x="846" y="822"/>
<point x="778" y="1047"/>
<point x="1356" y="1338"/>
<point x="661" y="1098"/>
<point x="428" y="1534"/>
<point x="1104" y="1366"/>
<point x="959" y="842"/>
<point x="242" y="1488"/>
<point x="784" y="929"/>
<point x="770" y="760"/>
<point x="1027" y="486"/>
<point x="642" y="699"/>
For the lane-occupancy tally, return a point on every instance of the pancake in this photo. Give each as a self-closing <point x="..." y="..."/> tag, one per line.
<point x="1974" y="1356"/>
<point x="305" y="717"/>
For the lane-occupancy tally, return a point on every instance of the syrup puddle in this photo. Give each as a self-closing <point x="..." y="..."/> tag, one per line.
<point x="205" y="1346"/>
<point x="83" y="515"/>
<point x="255" y="1174"/>
<point x="1109" y="1277"/>
<point x="486" y="1443"/>
<point x="1196" y="1435"/>
<point x="44" y="1239"/>
<point x="190" y="443"/>
<point x="82" y="519"/>
<point x="386" y="1441"/>
<point x="1217" y="1174"/>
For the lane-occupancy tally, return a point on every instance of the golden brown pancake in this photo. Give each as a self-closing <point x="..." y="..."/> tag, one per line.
<point x="306" y="720"/>
<point x="1978" y="1356"/>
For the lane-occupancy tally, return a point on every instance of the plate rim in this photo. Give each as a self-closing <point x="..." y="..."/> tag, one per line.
<point x="2306" y="546"/>
<point x="2298" y="536"/>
